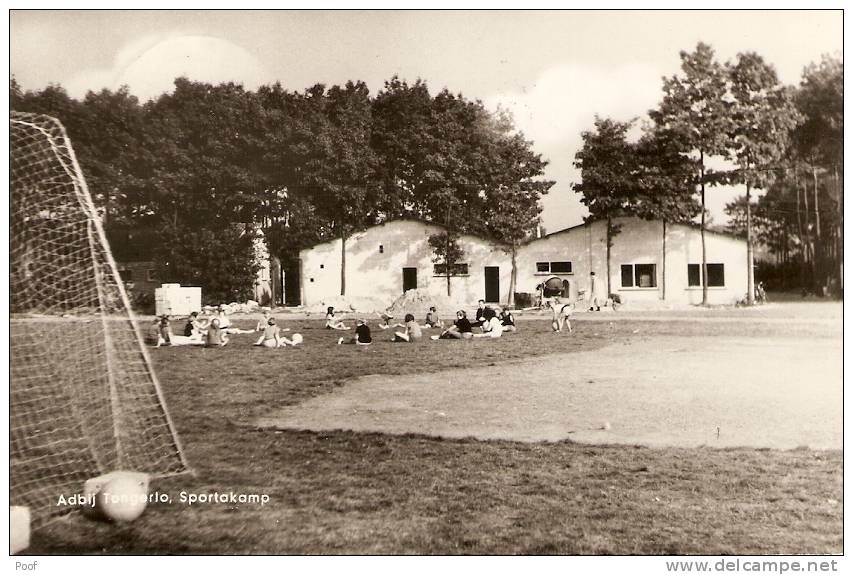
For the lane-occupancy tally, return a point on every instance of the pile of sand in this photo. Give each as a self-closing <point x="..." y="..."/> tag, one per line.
<point x="418" y="303"/>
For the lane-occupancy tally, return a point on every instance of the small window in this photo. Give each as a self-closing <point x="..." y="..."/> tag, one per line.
<point x="126" y="274"/>
<point x="645" y="275"/>
<point x="639" y="275"/>
<point x="455" y="270"/>
<point x="694" y="279"/>
<point x="554" y="267"/>
<point x="716" y="275"/>
<point x="381" y="249"/>
<point x="627" y="276"/>
<point x="311" y="280"/>
<point x="322" y="266"/>
<point x="152" y="276"/>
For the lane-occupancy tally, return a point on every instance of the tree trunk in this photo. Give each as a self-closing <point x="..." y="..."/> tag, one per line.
<point x="818" y="279"/>
<point x="839" y="240"/>
<point x="343" y="262"/>
<point x="750" y="270"/>
<point x="609" y="236"/>
<point x="512" y="277"/>
<point x="803" y="247"/>
<point x="663" y="264"/>
<point x="702" y="230"/>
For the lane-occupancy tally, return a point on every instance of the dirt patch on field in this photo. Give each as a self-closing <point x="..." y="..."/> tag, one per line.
<point x="769" y="392"/>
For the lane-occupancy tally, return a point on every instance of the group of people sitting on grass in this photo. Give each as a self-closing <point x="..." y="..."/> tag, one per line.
<point x="491" y="323"/>
<point x="217" y="331"/>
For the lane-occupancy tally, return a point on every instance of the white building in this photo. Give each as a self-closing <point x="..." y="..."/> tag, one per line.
<point x="388" y="259"/>
<point x="646" y="265"/>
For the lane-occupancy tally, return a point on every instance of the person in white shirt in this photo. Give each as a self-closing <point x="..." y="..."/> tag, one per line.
<point x="491" y="325"/>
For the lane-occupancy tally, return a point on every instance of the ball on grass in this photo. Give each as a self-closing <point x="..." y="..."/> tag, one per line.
<point x="296" y="339"/>
<point x="123" y="498"/>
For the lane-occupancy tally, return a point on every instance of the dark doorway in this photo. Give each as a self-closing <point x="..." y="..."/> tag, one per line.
<point x="493" y="284"/>
<point x="410" y="279"/>
<point x="292" y="291"/>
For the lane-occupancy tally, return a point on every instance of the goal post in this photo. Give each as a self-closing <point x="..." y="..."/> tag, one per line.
<point x="84" y="399"/>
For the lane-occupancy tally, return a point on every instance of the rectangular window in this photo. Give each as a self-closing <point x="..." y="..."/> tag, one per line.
<point x="627" y="276"/>
<point x="716" y="275"/>
<point x="554" y="267"/>
<point x="455" y="270"/>
<point x="152" y="276"/>
<point x="639" y="275"/>
<point x="694" y="279"/>
<point x="126" y="274"/>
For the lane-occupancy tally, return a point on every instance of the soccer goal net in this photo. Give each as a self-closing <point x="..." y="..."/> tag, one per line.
<point x="84" y="399"/>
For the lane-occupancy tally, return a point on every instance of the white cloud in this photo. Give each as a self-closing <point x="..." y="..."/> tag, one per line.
<point x="150" y="65"/>
<point x="563" y="103"/>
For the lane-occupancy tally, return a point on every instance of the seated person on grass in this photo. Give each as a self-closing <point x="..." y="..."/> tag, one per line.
<point x="264" y="322"/>
<point x="216" y="336"/>
<point x="479" y="317"/>
<point x="491" y="325"/>
<point x="225" y="323"/>
<point x="461" y="328"/>
<point x="413" y="331"/>
<point x="507" y="320"/>
<point x="332" y="322"/>
<point x="432" y="319"/>
<point x="272" y="337"/>
<point x="386" y="320"/>
<point x="362" y="334"/>
<point x="152" y="337"/>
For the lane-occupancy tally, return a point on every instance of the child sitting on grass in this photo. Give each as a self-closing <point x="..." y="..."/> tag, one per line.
<point x="362" y="334"/>
<point x="413" y="331"/>
<point x="332" y="322"/>
<point x="461" y="328"/>
<point x="491" y="325"/>
<point x="432" y="319"/>
<point x="216" y="336"/>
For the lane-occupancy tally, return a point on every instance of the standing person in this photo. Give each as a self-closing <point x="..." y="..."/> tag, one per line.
<point x="413" y="331"/>
<point x="362" y="334"/>
<point x="491" y="325"/>
<point x="461" y="328"/>
<point x="593" y="295"/>
<point x="432" y="319"/>
<point x="507" y="320"/>
<point x="332" y="322"/>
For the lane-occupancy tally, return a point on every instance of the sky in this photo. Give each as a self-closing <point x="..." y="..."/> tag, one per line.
<point x="554" y="70"/>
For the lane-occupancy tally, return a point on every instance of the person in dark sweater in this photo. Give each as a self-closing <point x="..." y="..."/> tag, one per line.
<point x="362" y="334"/>
<point x="461" y="328"/>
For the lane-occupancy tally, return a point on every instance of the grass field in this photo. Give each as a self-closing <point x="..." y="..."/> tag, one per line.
<point x="365" y="492"/>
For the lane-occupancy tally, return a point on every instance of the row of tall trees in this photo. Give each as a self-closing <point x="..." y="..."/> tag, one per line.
<point x="738" y="111"/>
<point x="205" y="166"/>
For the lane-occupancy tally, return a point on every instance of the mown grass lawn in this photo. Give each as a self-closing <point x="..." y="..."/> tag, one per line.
<point x="346" y="492"/>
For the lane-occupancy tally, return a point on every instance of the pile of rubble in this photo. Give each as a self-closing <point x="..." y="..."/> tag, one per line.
<point x="250" y="306"/>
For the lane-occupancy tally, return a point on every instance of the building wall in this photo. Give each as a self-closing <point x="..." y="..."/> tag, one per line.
<point x="371" y="273"/>
<point x="374" y="273"/>
<point x="639" y="242"/>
